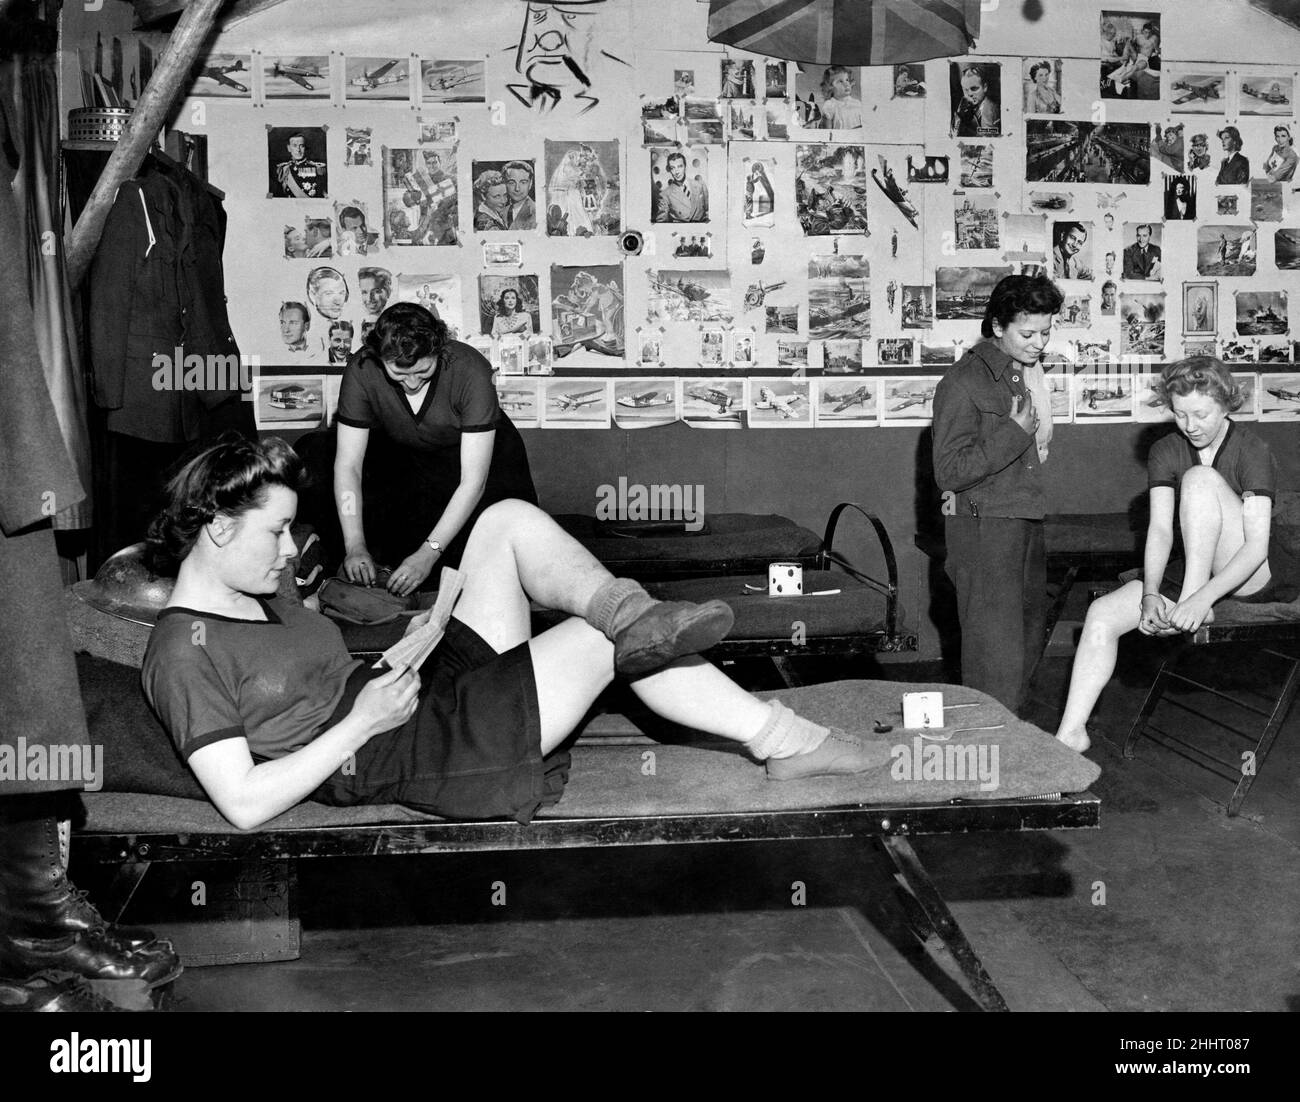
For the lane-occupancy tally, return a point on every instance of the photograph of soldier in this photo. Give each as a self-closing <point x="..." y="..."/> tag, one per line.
<point x="296" y="162"/>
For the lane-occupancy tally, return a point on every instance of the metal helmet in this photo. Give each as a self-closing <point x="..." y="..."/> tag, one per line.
<point x="126" y="588"/>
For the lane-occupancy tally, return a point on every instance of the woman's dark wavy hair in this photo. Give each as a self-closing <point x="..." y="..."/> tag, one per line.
<point x="1200" y="375"/>
<point x="231" y="476"/>
<point x="1019" y="294"/>
<point x="407" y="332"/>
<point x="501" y="301"/>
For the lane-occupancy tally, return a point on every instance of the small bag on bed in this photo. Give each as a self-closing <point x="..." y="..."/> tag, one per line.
<point x="362" y="604"/>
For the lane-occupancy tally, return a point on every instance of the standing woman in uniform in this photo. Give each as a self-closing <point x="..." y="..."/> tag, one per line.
<point x="992" y="428"/>
<point x="423" y="449"/>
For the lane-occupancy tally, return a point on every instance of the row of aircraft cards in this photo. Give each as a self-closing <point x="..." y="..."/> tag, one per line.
<point x="860" y="401"/>
<point x="572" y="402"/>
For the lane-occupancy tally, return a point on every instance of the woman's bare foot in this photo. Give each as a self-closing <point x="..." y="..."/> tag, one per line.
<point x="1078" y="741"/>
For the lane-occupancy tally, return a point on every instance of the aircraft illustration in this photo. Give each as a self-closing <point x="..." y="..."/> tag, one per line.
<point x="568" y="402"/>
<point x="299" y="74"/>
<point x="513" y="399"/>
<point x="912" y="398"/>
<point x="447" y="81"/>
<point x="368" y="82"/>
<point x="1285" y="395"/>
<point x="220" y="73"/>
<point x="884" y="178"/>
<point x="1094" y="395"/>
<point x="757" y="292"/>
<point x="294" y="397"/>
<point x="646" y="398"/>
<point x="849" y="398"/>
<point x="692" y="292"/>
<point x="769" y="399"/>
<point x="1273" y="95"/>
<point x="1205" y="90"/>
<point x="712" y="396"/>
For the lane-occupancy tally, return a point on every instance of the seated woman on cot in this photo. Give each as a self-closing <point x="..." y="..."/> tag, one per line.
<point x="268" y="708"/>
<point x="1218" y="479"/>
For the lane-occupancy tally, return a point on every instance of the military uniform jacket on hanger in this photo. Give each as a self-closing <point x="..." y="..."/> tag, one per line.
<point x="157" y="285"/>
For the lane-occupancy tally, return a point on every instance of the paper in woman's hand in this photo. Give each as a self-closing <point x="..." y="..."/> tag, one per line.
<point x="411" y="650"/>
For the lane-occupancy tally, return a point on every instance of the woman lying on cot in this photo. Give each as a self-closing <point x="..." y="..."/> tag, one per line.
<point x="1218" y="479"/>
<point x="267" y="707"/>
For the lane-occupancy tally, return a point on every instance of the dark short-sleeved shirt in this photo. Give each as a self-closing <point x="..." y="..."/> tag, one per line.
<point x="460" y="398"/>
<point x="275" y="683"/>
<point x="1243" y="459"/>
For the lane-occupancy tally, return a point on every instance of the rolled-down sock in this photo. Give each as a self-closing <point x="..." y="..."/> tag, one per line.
<point x="785" y="734"/>
<point x="616" y="604"/>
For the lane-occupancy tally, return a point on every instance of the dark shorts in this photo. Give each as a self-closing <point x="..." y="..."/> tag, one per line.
<point x="1283" y="584"/>
<point x="473" y="748"/>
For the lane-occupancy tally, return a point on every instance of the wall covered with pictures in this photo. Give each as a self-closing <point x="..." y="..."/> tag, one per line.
<point x="638" y="227"/>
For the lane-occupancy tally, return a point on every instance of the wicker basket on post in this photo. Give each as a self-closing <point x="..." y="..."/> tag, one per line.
<point x="97" y="124"/>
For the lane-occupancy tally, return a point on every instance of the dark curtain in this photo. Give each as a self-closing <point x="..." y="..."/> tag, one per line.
<point x="30" y="89"/>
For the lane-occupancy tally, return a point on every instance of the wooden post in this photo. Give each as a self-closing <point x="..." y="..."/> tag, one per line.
<point x="150" y="113"/>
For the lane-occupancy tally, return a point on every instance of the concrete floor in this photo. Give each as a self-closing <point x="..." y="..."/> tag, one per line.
<point x="1169" y="906"/>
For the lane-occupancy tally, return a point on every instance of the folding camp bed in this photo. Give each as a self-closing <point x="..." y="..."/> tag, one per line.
<point x="698" y="792"/>
<point x="728" y="560"/>
<point x="1272" y="632"/>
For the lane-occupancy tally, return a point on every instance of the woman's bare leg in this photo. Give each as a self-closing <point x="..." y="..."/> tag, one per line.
<point x="516" y="552"/>
<point x="1108" y="618"/>
<point x="1210" y="516"/>
<point x="573" y="663"/>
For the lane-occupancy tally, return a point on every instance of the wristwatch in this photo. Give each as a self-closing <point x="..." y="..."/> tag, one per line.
<point x="434" y="545"/>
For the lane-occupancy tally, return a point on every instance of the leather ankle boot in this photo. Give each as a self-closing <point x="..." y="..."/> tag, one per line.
<point x="53" y="992"/>
<point x="47" y="924"/>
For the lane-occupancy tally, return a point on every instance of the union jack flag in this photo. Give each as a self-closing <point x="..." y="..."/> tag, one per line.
<point x="847" y="32"/>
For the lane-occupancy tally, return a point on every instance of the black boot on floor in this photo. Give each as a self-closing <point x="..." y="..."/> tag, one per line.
<point x="46" y="924"/>
<point x="53" y="992"/>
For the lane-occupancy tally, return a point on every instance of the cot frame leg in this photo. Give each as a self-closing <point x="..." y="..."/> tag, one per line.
<point x="940" y="921"/>
<point x="1290" y="686"/>
<point x="126" y="882"/>
<point x="1154" y="695"/>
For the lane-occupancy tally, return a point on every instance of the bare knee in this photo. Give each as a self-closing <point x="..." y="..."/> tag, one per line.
<point x="1201" y="479"/>
<point x="1105" y="621"/>
<point x="501" y="519"/>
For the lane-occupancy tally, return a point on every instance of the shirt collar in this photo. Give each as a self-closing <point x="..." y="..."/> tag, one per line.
<point x="994" y="358"/>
